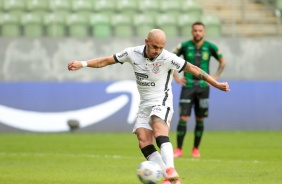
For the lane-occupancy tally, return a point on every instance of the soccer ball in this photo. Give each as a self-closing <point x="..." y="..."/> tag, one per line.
<point x="149" y="172"/>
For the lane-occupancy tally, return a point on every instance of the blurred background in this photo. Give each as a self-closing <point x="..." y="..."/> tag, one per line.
<point x="39" y="37"/>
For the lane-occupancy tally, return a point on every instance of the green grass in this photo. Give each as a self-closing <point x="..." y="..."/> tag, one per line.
<point x="112" y="158"/>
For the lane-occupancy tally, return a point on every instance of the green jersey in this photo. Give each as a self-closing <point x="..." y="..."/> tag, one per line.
<point x="197" y="56"/>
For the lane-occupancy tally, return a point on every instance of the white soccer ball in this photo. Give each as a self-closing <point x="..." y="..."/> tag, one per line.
<point x="149" y="172"/>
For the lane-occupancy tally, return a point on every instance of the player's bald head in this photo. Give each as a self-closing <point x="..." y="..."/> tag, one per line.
<point x="155" y="43"/>
<point x="157" y="35"/>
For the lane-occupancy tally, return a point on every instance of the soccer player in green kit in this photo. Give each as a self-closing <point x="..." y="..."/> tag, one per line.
<point x="195" y="92"/>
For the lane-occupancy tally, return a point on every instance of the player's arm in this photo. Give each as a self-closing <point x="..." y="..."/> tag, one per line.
<point x="204" y="76"/>
<point x="179" y="80"/>
<point x="220" y="68"/>
<point x="215" y="52"/>
<point x="93" y="63"/>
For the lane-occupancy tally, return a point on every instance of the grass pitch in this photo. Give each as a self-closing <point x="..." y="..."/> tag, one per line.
<point x="112" y="158"/>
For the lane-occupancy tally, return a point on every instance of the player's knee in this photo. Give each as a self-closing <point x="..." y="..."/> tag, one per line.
<point x="200" y="118"/>
<point x="184" y="118"/>
<point x="161" y="140"/>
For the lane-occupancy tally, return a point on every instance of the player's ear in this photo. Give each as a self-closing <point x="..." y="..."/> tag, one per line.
<point x="146" y="41"/>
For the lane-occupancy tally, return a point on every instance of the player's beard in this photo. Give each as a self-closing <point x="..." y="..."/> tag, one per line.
<point x="197" y="40"/>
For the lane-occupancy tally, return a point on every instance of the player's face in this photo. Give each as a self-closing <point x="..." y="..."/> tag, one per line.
<point x="198" y="32"/>
<point x="153" y="48"/>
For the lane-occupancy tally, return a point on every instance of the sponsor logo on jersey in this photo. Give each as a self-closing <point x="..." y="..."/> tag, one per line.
<point x="190" y="54"/>
<point x="205" y="56"/>
<point x="198" y="54"/>
<point x="123" y="54"/>
<point x="175" y="64"/>
<point x="146" y="83"/>
<point x="140" y="77"/>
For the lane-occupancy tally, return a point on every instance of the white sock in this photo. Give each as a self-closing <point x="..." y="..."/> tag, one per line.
<point x="156" y="157"/>
<point x="167" y="154"/>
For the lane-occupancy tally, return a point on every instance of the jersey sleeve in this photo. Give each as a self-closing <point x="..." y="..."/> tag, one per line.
<point x="122" y="56"/>
<point x="215" y="52"/>
<point x="178" y="63"/>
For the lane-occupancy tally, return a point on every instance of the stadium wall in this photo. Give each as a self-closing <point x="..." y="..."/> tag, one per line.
<point x="39" y="94"/>
<point x="46" y="59"/>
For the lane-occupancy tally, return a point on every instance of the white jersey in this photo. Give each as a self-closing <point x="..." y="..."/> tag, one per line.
<point x="154" y="77"/>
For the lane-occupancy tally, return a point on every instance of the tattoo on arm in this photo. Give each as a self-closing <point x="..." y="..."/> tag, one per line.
<point x="202" y="75"/>
<point x="188" y="66"/>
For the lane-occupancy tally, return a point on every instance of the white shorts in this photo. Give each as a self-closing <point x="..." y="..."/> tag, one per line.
<point x="145" y="113"/>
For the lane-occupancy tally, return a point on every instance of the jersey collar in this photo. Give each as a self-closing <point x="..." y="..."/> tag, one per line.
<point x="151" y="59"/>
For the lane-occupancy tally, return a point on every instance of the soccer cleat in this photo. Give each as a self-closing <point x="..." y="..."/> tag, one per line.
<point x="177" y="153"/>
<point x="172" y="175"/>
<point x="176" y="182"/>
<point x="196" y="153"/>
<point x="166" y="181"/>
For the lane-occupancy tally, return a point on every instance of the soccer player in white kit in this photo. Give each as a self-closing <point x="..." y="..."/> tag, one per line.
<point x="153" y="67"/>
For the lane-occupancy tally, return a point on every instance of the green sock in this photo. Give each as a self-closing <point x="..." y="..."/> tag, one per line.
<point x="198" y="133"/>
<point x="181" y="131"/>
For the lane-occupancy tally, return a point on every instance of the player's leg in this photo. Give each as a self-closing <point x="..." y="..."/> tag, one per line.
<point x="146" y="138"/>
<point x="201" y="111"/>
<point x="160" y="121"/>
<point x="185" y="107"/>
<point x="198" y="133"/>
<point x="181" y="133"/>
<point x="146" y="145"/>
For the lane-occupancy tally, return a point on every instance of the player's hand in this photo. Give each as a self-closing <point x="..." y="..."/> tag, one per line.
<point x="224" y="86"/>
<point x="74" y="65"/>
<point x="182" y="81"/>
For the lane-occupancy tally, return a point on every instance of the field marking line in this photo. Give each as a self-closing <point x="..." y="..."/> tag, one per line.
<point x="3" y="154"/>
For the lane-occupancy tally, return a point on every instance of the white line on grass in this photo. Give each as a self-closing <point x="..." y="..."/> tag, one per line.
<point x="116" y="157"/>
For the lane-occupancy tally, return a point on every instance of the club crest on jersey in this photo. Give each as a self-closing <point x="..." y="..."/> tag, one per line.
<point x="156" y="68"/>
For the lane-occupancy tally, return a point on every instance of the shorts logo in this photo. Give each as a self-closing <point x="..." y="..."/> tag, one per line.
<point x="157" y="109"/>
<point x="204" y="103"/>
